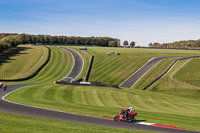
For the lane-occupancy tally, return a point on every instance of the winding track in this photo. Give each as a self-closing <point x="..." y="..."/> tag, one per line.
<point x="78" y="64"/>
<point x="9" y="107"/>
<point x="129" y="82"/>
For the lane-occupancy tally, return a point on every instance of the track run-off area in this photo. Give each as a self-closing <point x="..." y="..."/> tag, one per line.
<point x="15" y="108"/>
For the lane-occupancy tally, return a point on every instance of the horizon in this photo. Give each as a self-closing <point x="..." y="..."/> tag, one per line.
<point x="144" y="22"/>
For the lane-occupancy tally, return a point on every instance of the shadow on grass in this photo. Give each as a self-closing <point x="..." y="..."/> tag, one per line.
<point x="6" y="56"/>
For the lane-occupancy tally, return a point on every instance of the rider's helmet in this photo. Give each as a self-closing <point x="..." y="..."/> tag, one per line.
<point x="131" y="108"/>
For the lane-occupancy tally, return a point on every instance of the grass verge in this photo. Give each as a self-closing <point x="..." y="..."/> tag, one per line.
<point x="59" y="66"/>
<point x="11" y="123"/>
<point x="171" y="86"/>
<point x="189" y="73"/>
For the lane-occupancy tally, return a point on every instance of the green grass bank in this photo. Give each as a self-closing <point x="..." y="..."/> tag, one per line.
<point x="11" y="123"/>
<point x="23" y="63"/>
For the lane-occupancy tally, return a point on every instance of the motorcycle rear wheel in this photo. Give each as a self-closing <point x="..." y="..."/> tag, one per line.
<point x="116" y="118"/>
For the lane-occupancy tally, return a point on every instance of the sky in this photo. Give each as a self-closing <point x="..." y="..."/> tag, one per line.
<point x="142" y="21"/>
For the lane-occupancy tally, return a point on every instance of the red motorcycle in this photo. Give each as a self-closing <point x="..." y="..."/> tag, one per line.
<point x="125" y="116"/>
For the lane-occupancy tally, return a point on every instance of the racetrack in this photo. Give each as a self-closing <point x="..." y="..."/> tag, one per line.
<point x="78" y="64"/>
<point x="129" y="82"/>
<point x="9" y="107"/>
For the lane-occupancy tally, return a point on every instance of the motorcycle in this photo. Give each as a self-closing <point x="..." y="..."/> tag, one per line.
<point x="4" y="87"/>
<point x="127" y="117"/>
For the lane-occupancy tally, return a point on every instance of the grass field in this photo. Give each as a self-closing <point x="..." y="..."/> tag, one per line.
<point x="107" y="102"/>
<point x="60" y="65"/>
<point x="190" y="73"/>
<point x="23" y="63"/>
<point x="24" y="124"/>
<point x="112" y="69"/>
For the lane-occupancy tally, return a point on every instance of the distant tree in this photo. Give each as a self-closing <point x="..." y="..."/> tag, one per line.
<point x="150" y="45"/>
<point x="125" y="43"/>
<point x="112" y="44"/>
<point x="156" y="45"/>
<point x="132" y="44"/>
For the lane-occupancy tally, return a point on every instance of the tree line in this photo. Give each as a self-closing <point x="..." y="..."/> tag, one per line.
<point x="190" y="44"/>
<point x="9" y="40"/>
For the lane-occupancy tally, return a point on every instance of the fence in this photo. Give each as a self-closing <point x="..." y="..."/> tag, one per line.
<point x="87" y="84"/>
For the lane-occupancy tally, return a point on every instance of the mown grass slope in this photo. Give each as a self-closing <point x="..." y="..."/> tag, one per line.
<point x="24" y="124"/>
<point x="172" y="86"/>
<point x="107" y="102"/>
<point x="112" y="69"/>
<point x="24" y="63"/>
<point x="59" y="66"/>
<point x="190" y="73"/>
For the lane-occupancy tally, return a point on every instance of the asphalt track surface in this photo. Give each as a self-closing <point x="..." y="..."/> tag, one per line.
<point x="78" y="63"/>
<point x="14" y="108"/>
<point x="129" y="82"/>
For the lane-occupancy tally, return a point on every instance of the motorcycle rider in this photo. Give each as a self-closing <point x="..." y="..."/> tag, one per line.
<point x="122" y="113"/>
<point x="4" y="87"/>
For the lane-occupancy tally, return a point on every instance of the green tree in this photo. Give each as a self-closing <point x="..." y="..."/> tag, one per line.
<point x="112" y="44"/>
<point x="150" y="45"/>
<point x="132" y="44"/>
<point x="125" y="43"/>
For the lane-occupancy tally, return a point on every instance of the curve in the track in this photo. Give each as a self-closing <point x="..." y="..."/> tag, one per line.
<point x="129" y="82"/>
<point x="10" y="107"/>
<point x="78" y="64"/>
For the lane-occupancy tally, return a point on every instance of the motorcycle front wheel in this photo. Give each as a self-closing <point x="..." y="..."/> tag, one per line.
<point x="116" y="118"/>
<point x="129" y="118"/>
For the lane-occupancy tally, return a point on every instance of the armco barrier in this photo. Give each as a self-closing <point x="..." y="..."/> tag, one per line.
<point x="87" y="84"/>
<point x="89" y="68"/>
<point x="168" y="70"/>
<point x="35" y="73"/>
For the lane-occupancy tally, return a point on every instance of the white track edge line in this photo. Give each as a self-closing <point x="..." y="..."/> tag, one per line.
<point x="82" y="64"/>
<point x="146" y="72"/>
<point x="3" y="98"/>
<point x="136" y="71"/>
<point x="73" y="62"/>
